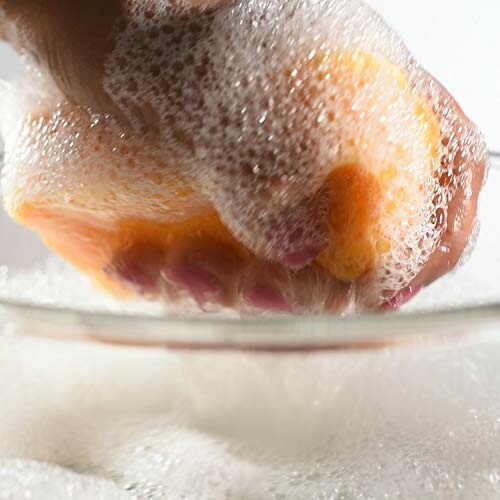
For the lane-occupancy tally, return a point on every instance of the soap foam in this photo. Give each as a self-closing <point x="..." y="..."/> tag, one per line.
<point x="61" y="155"/>
<point x="44" y="284"/>
<point x="29" y="479"/>
<point x="216" y="425"/>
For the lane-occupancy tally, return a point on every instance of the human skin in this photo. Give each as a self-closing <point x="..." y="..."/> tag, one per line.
<point x="71" y="41"/>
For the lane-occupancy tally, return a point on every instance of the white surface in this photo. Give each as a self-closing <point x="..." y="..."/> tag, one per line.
<point x="458" y="41"/>
<point x="25" y="242"/>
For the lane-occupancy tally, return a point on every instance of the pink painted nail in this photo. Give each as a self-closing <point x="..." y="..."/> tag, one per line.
<point x="138" y="278"/>
<point x="139" y="268"/>
<point x="267" y="298"/>
<point x="401" y="298"/>
<point x="302" y="257"/>
<point x="200" y="283"/>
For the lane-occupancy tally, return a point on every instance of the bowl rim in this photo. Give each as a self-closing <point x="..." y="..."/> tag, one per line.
<point x="270" y="334"/>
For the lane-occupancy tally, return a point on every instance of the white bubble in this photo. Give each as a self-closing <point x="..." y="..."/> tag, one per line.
<point x="23" y="479"/>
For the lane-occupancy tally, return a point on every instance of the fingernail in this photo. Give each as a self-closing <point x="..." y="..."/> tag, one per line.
<point x="267" y="298"/>
<point x="401" y="298"/>
<point x="139" y="268"/>
<point x="200" y="283"/>
<point x="139" y="279"/>
<point x="301" y="257"/>
<point x="298" y="237"/>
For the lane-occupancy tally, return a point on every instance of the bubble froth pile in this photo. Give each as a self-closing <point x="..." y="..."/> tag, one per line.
<point x="256" y="103"/>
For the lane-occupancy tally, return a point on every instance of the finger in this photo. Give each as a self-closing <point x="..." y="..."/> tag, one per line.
<point x="267" y="286"/>
<point x="138" y="268"/>
<point x="460" y="224"/>
<point x="72" y="41"/>
<point x="214" y="276"/>
<point x="459" y="219"/>
<point x="203" y="268"/>
<point x="69" y="40"/>
<point x="293" y="236"/>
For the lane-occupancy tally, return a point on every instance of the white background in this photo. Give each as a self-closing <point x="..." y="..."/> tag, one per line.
<point x="457" y="40"/>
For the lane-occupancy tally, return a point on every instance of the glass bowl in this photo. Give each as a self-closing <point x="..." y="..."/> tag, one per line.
<point x="401" y="406"/>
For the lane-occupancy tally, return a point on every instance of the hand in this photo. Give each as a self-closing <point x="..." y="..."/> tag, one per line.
<point x="73" y="43"/>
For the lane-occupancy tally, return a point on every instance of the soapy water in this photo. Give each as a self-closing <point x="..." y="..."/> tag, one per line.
<point x="167" y="425"/>
<point x="23" y="480"/>
<point x="337" y="86"/>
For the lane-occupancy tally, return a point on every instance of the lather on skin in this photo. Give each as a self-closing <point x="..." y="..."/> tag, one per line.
<point x="72" y="42"/>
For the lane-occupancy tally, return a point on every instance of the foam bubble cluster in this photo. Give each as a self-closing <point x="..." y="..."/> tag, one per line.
<point x="63" y="155"/>
<point x="261" y="100"/>
<point x="30" y="479"/>
<point x="254" y="107"/>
